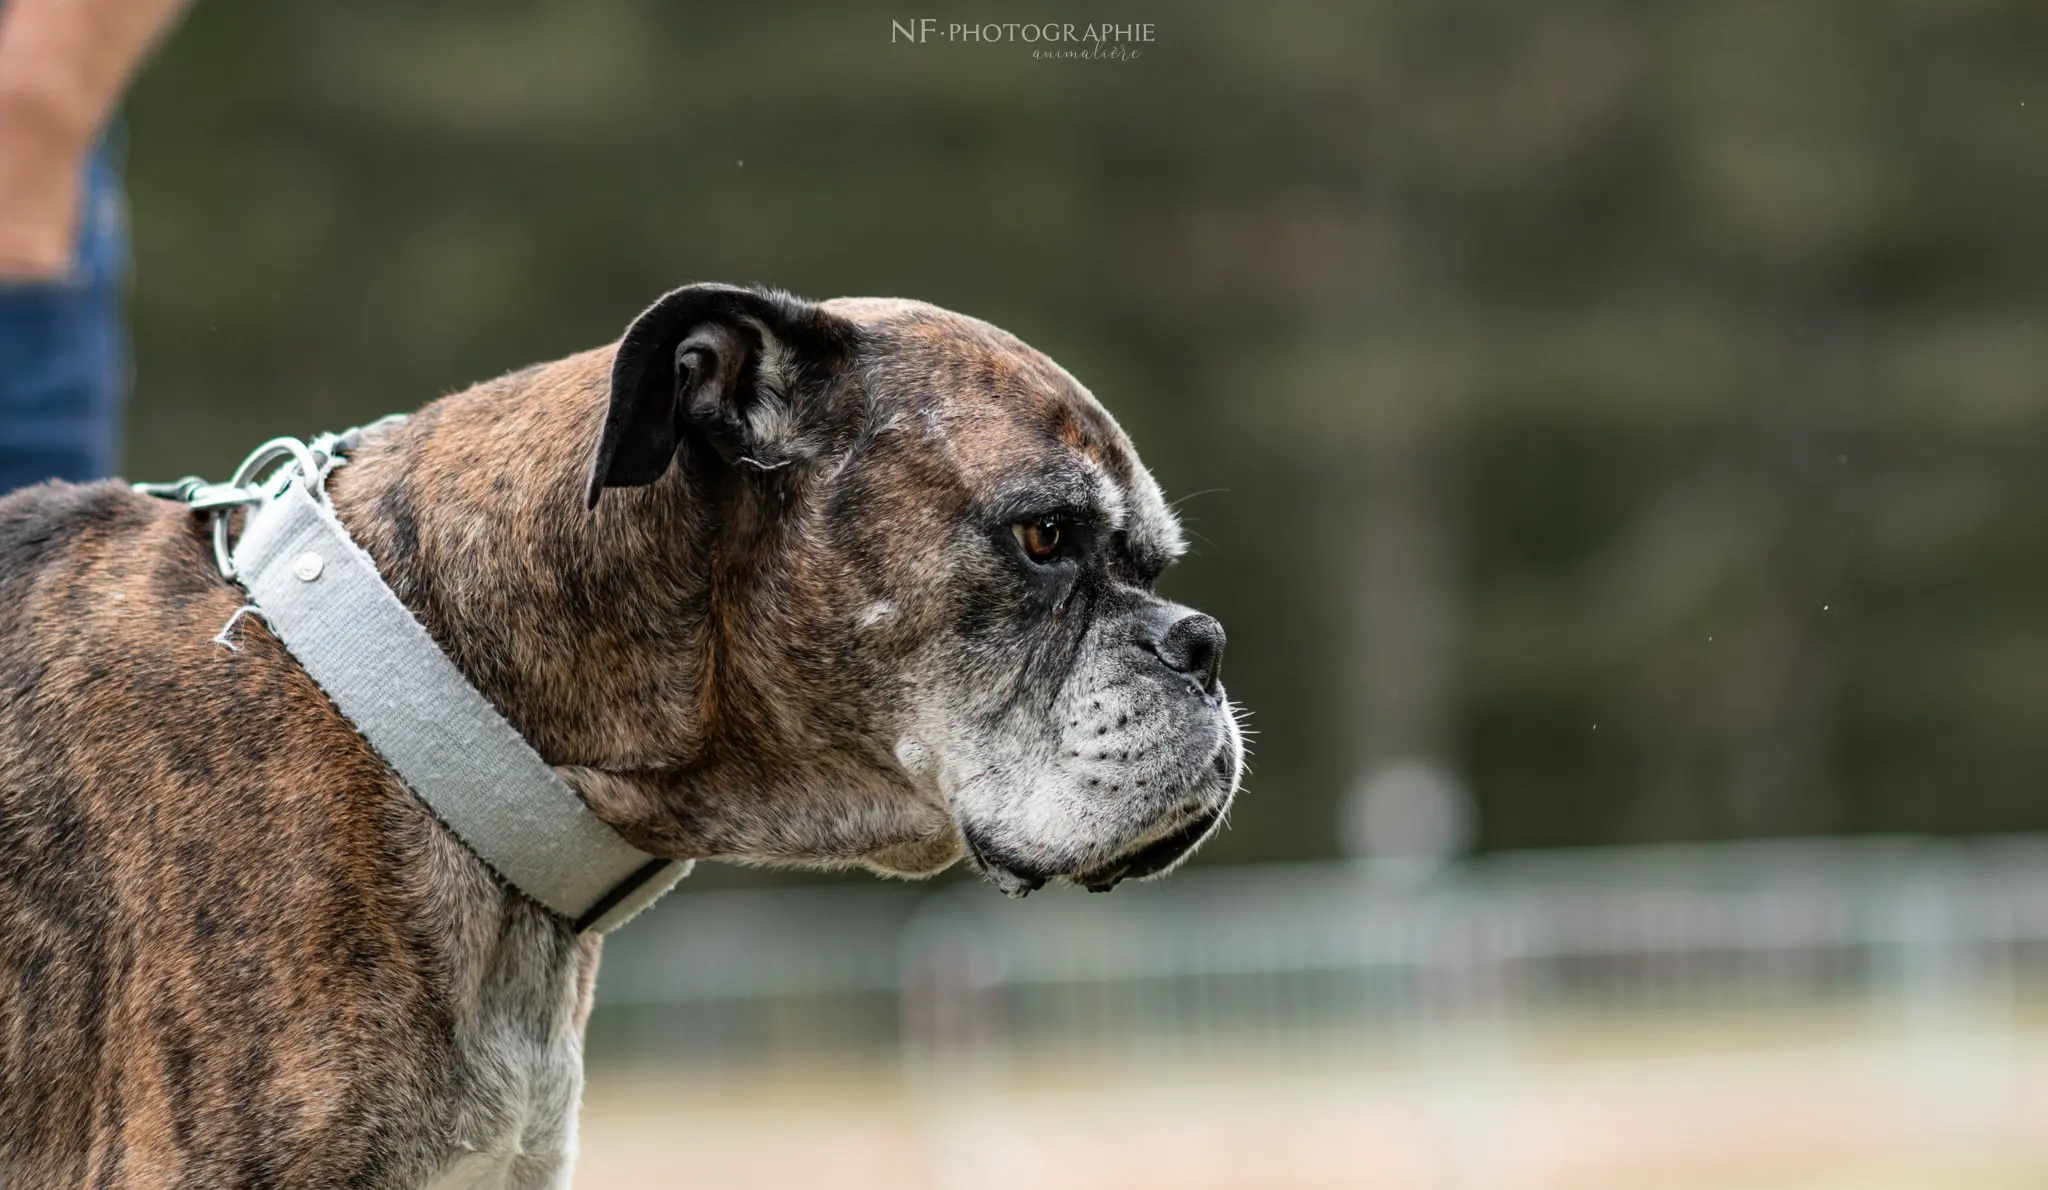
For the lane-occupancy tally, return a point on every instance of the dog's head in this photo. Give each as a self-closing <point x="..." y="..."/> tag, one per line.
<point x="941" y="552"/>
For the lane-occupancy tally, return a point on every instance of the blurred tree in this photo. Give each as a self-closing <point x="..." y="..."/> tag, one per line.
<point x="1639" y="406"/>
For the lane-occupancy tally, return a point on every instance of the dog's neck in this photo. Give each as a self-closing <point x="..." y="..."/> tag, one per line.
<point x="645" y="695"/>
<point x="473" y="511"/>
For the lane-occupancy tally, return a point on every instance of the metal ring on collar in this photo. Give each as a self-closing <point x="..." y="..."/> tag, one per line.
<point x="246" y="477"/>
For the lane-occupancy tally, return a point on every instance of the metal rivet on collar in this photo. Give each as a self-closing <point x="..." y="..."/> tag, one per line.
<point x="308" y="566"/>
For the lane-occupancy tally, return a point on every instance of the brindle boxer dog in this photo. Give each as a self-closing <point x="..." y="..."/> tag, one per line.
<point x="854" y="583"/>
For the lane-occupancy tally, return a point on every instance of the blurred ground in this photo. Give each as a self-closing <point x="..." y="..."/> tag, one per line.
<point x="1818" y="1101"/>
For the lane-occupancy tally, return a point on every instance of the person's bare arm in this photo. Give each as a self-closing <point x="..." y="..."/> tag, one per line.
<point x="63" y="67"/>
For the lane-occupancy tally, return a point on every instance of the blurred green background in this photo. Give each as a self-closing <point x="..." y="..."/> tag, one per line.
<point x="1636" y="411"/>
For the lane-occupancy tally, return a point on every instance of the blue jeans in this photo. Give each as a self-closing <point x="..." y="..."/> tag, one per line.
<point x="64" y="349"/>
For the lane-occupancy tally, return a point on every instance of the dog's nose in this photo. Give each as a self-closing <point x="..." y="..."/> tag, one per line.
<point x="1194" y="646"/>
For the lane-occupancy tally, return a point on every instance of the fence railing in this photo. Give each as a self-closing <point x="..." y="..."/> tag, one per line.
<point x="1922" y="933"/>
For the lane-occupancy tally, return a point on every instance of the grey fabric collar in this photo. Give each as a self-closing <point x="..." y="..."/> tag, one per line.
<point x="321" y="595"/>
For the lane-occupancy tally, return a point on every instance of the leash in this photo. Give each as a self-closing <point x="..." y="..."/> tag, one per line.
<point x="323" y="598"/>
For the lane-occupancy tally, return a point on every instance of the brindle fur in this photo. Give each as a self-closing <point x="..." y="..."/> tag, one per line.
<point x="235" y="951"/>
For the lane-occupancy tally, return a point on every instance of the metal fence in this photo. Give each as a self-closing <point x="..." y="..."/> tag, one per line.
<point x="1922" y="933"/>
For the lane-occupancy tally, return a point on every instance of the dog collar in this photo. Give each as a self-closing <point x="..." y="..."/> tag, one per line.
<point x="322" y="596"/>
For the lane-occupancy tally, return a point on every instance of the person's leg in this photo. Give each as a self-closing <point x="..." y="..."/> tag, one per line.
<point x="63" y="348"/>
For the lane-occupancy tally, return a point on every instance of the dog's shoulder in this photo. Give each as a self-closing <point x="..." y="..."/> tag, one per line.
<point x="209" y="885"/>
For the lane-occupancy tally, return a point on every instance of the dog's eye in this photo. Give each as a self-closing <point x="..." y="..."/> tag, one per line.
<point x="1040" y="538"/>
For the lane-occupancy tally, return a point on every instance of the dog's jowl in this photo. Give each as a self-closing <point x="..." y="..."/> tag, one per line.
<point x="859" y="582"/>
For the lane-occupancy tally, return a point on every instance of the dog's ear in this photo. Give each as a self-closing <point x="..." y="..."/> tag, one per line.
<point x="744" y="368"/>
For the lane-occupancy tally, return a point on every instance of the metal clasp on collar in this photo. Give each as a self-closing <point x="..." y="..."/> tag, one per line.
<point x="310" y="464"/>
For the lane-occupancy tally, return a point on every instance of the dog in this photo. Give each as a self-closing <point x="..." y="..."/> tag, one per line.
<point x="859" y="583"/>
